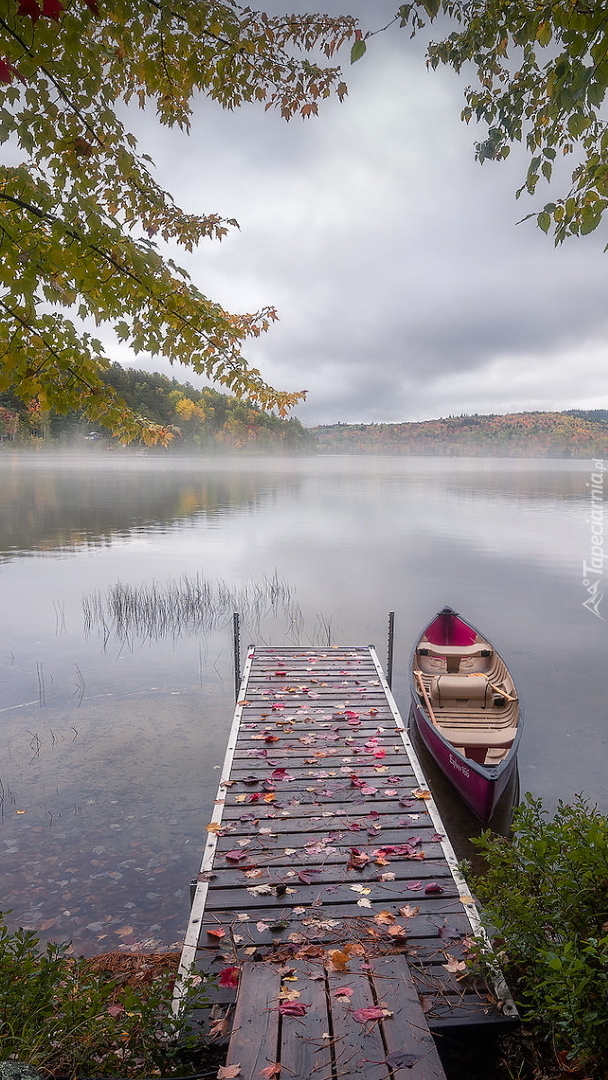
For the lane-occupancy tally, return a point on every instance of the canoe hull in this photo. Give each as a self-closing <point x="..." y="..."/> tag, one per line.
<point x="479" y="786"/>
<point x="480" y="789"/>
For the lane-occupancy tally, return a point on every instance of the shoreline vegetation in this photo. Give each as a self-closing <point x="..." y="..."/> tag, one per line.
<point x="543" y="893"/>
<point x="206" y="421"/>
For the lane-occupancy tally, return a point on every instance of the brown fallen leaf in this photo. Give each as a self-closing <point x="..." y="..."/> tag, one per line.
<point x="228" y="1072"/>
<point x="453" y="965"/>
<point x="338" y="960"/>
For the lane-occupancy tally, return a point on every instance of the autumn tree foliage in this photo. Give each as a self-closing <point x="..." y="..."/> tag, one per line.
<point x="82" y="218"/>
<point x="539" y="76"/>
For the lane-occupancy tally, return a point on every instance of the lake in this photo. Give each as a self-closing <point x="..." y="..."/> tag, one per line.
<point x="116" y="702"/>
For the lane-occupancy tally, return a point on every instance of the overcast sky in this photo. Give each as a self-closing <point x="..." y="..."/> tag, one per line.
<point x="406" y="289"/>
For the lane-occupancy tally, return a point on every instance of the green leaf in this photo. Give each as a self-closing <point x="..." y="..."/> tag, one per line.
<point x="358" y="50"/>
<point x="544" y="221"/>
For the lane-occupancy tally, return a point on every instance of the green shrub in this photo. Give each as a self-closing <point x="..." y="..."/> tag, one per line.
<point x="58" y="1016"/>
<point x="545" y="893"/>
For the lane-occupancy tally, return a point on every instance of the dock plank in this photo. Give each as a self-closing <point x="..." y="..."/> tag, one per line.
<point x="324" y="833"/>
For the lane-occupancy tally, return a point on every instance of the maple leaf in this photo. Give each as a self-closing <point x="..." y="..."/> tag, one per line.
<point x="343" y="992"/>
<point x="373" y="1012"/>
<point x="228" y="1072"/>
<point x="338" y="960"/>
<point x="293" y="1008"/>
<point x="358" y="859"/>
<point x="409" y="911"/>
<point x="29" y="7"/>
<point x="453" y="965"/>
<point x="422" y="793"/>
<point x="219" y="932"/>
<point x="229" y="977"/>
<point x="384" y="917"/>
<point x="433" y="887"/>
<point x="51" y="9"/>
<point x="270" y="1071"/>
<point x="8" y="71"/>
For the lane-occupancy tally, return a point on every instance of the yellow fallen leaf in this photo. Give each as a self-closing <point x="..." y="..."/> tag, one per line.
<point x="214" y="827"/>
<point x="422" y="793"/>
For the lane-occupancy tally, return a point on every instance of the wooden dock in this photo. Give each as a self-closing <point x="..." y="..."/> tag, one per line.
<point x="328" y="893"/>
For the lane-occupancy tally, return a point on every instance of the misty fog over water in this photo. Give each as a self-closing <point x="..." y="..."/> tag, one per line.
<point x="111" y="735"/>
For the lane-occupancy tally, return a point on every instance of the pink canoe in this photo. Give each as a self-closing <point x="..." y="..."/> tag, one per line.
<point x="467" y="710"/>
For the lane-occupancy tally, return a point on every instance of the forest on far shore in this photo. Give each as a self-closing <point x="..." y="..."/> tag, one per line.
<point x="206" y="420"/>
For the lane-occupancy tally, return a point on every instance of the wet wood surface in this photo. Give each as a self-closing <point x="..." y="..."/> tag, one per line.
<point x="327" y="866"/>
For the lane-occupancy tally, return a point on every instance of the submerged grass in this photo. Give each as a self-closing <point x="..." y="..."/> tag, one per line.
<point x="186" y="606"/>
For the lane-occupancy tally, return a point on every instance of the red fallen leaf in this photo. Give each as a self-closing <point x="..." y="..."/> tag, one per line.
<point x="270" y="1071"/>
<point x="29" y="7"/>
<point x="229" y="977"/>
<point x="373" y="1012"/>
<point x="358" y="859"/>
<point x="436" y="838"/>
<point x="433" y="887"/>
<point x="343" y="992"/>
<point x="293" y="1008"/>
<point x="304" y="875"/>
<point x="281" y="774"/>
<point x="236" y="855"/>
<point x="218" y="933"/>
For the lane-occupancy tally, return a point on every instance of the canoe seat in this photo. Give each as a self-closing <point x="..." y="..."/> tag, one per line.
<point x="453" y="654"/>
<point x="448" y="690"/>
<point x="480" y="737"/>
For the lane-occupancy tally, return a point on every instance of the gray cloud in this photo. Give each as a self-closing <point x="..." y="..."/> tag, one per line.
<point x="404" y="286"/>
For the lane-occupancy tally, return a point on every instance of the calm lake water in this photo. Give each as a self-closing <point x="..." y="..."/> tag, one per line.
<point x="111" y="735"/>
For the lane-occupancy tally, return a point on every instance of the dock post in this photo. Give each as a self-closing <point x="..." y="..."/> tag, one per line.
<point x="236" y="641"/>
<point x="391" y="642"/>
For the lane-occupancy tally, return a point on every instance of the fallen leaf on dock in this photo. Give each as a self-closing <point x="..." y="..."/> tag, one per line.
<point x="228" y="1072"/>
<point x="293" y="1008"/>
<point x="229" y="977"/>
<point x="433" y="887"/>
<point x="453" y="964"/>
<point x="270" y="1071"/>
<point x="373" y="1012"/>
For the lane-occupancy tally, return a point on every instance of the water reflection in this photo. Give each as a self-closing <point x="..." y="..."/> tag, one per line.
<point x="109" y="748"/>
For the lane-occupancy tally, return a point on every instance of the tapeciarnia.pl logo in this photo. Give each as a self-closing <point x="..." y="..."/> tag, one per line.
<point x="593" y="571"/>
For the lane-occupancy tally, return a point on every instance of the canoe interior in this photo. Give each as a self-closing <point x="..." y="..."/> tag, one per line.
<point x="466" y="690"/>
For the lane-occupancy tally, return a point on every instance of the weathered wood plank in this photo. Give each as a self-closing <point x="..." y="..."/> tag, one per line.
<point x="322" y="824"/>
<point x="410" y="1047"/>
<point x="254" y="1042"/>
